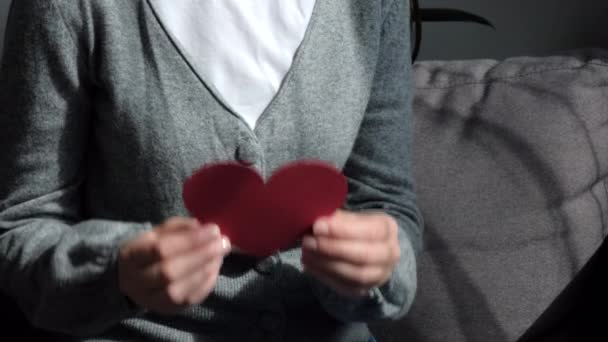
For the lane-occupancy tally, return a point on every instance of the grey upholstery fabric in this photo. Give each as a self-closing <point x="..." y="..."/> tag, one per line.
<point x="510" y="160"/>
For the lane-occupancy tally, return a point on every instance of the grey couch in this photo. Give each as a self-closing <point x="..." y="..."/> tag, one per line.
<point x="510" y="160"/>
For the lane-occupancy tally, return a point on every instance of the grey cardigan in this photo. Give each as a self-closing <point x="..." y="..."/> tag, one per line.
<point x="102" y="118"/>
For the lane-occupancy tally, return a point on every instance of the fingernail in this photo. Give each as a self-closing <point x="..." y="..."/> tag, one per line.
<point x="321" y="228"/>
<point x="309" y="242"/>
<point x="225" y="244"/>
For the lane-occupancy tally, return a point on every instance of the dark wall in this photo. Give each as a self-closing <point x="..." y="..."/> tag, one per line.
<point x="3" y="13"/>
<point x="524" y="27"/>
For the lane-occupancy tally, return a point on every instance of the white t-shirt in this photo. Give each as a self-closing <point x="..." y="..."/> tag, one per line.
<point x="242" y="48"/>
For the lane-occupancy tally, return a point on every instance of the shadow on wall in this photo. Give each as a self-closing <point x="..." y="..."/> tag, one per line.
<point x="4" y="5"/>
<point x="524" y="27"/>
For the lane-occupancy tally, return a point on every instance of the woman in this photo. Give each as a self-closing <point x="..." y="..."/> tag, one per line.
<point x="108" y="106"/>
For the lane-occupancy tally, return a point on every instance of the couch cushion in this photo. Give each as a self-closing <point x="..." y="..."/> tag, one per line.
<point x="510" y="160"/>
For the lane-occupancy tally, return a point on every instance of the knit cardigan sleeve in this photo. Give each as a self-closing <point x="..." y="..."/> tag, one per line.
<point x="379" y="177"/>
<point x="58" y="265"/>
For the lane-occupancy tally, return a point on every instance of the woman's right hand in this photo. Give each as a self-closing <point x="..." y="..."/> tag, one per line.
<point x="172" y="266"/>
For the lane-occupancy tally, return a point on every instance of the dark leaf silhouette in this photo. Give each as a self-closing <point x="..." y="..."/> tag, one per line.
<point x="420" y="15"/>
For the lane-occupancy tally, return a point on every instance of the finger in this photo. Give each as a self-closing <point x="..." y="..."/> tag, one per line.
<point x="182" y="266"/>
<point x="177" y="223"/>
<point x="181" y="294"/>
<point x="159" y="303"/>
<point x="354" y="276"/>
<point x="141" y="250"/>
<point x="352" y="251"/>
<point x="343" y="288"/>
<point x="182" y="241"/>
<point x="355" y="226"/>
<point x="204" y="286"/>
<point x="147" y="248"/>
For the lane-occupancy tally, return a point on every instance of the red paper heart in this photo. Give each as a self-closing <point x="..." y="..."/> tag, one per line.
<point x="262" y="218"/>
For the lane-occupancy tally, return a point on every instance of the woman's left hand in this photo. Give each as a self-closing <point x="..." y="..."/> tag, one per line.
<point x="352" y="252"/>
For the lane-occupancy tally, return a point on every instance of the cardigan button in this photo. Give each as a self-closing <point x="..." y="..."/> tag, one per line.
<point x="247" y="155"/>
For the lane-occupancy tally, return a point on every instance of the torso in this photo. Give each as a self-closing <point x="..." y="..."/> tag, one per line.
<point x="156" y="121"/>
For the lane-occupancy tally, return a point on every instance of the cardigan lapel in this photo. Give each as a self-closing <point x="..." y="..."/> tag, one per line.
<point x="163" y="17"/>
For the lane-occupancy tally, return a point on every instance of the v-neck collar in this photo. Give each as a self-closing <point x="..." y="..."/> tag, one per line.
<point x="189" y="60"/>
